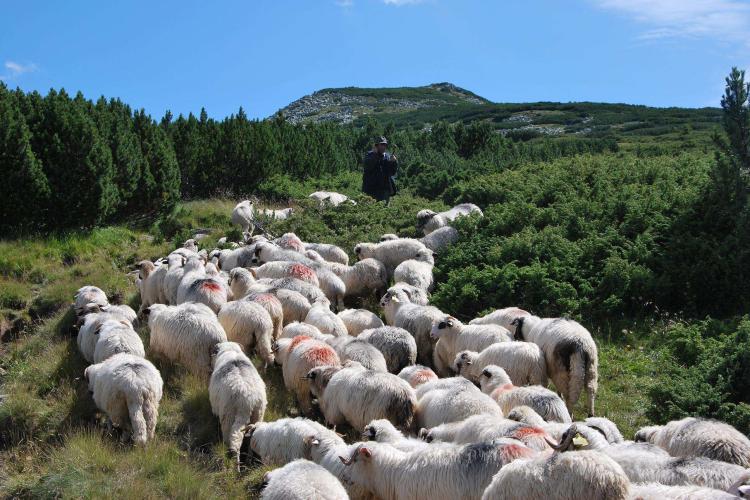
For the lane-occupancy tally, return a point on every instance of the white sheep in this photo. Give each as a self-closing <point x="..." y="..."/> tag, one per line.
<point x="331" y="253"/>
<point x="296" y="329"/>
<point x="88" y="332"/>
<point x="152" y="280"/>
<point x="362" y="279"/>
<point x="417" y="375"/>
<point x="503" y="317"/>
<point x="286" y="269"/>
<point x="452" y="400"/>
<point x="302" y="480"/>
<point x="416" y="271"/>
<point x="483" y="428"/>
<point x="297" y="357"/>
<point x="327" y="451"/>
<point x="563" y="476"/>
<point x="236" y="392"/>
<point x="429" y="221"/>
<point x="195" y="286"/>
<point x="277" y="214"/>
<point x="128" y="388"/>
<point x="413" y="318"/>
<point x="383" y="431"/>
<point x="250" y="325"/>
<point x="440" y="238"/>
<point x="87" y="295"/>
<point x="243" y="216"/>
<point x="312" y="293"/>
<point x="281" y="441"/>
<point x="270" y="252"/>
<point x="115" y="337"/>
<point x="355" y="395"/>
<point x="656" y="491"/>
<point x="353" y="349"/>
<point x="330" y="197"/>
<point x="273" y="307"/>
<point x="240" y="281"/>
<point x="453" y="337"/>
<point x="185" y="334"/>
<point x="359" y="320"/>
<point x="439" y="473"/>
<point x="523" y="361"/>
<point x="570" y="352"/>
<point x="172" y="278"/>
<point x="290" y="241"/>
<point x="326" y="321"/>
<point x="390" y="253"/>
<point x="397" y="345"/>
<point x="606" y="428"/>
<point x="496" y="382"/>
<point x="691" y="437"/>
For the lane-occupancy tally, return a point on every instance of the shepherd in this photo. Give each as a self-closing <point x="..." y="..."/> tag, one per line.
<point x="380" y="168"/>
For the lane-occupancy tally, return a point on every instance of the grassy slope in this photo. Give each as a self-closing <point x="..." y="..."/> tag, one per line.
<point x="53" y="442"/>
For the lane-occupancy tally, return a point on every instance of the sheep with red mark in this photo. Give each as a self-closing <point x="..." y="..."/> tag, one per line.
<point x="286" y="269"/>
<point x="479" y="428"/>
<point x="417" y="375"/>
<point x="195" y="286"/>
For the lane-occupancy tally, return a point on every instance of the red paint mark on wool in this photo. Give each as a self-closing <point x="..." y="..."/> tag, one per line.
<point x="528" y="431"/>
<point x="321" y="355"/>
<point x="213" y="286"/>
<point x="298" y="340"/>
<point x="510" y="452"/>
<point x="422" y="376"/>
<point x="301" y="271"/>
<point x="264" y="297"/>
<point x="502" y="390"/>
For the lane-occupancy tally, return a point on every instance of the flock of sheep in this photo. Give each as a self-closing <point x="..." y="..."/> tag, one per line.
<point x="447" y="410"/>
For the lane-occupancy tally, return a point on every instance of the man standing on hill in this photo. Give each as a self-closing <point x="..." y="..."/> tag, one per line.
<point x="379" y="169"/>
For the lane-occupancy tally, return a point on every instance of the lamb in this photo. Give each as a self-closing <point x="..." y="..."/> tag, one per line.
<point x="417" y="375"/>
<point x="243" y="215"/>
<point x="359" y="320"/>
<point x="691" y="437"/>
<point x="355" y="395"/>
<point x="286" y="269"/>
<point x="195" y="286"/>
<point x="441" y="473"/>
<point x="570" y="354"/>
<point x="523" y="361"/>
<point x="483" y="428"/>
<point x="115" y="337"/>
<point x="453" y="337"/>
<point x="281" y="441"/>
<point x="429" y="221"/>
<point x="449" y="400"/>
<point x="574" y="474"/>
<point x="413" y="318"/>
<point x="364" y="278"/>
<point x="249" y="324"/>
<point x="503" y="317"/>
<point x="185" y="334"/>
<point x="352" y="349"/>
<point x="297" y="357"/>
<point x="397" y="345"/>
<point x="302" y="480"/>
<point x="236" y="392"/>
<point x="390" y="253"/>
<point x="417" y="271"/>
<point x="331" y="253"/>
<point x="277" y="214"/>
<point x="87" y="295"/>
<point x="326" y="321"/>
<point x="330" y="197"/>
<point x="440" y="238"/>
<point x="495" y="382"/>
<point x="128" y="388"/>
<point x="383" y="431"/>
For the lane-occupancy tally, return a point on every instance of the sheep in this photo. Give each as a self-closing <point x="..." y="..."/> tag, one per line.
<point x="416" y="271"/>
<point x="574" y="474"/>
<point x="656" y="491"/>
<point x="413" y="294"/>
<point x="240" y="281"/>
<point x="152" y="281"/>
<point x="88" y="334"/>
<point x="326" y="321"/>
<point x="185" y="334"/>
<point x="359" y="320"/>
<point x="191" y="245"/>
<point x="116" y="337"/>
<point x="429" y="221"/>
<point x="503" y="317"/>
<point x="297" y="357"/>
<point x="290" y="241"/>
<point x="482" y="428"/>
<point x="294" y="305"/>
<point x="326" y="452"/>
<point x="352" y="349"/>
<point x="383" y="431"/>
<point x="496" y="382"/>
<point x="440" y="473"/>
<point x="302" y="480"/>
<point x="364" y="278"/>
<point x="121" y="311"/>
<point x="453" y="337"/>
<point x="236" y="392"/>
<point x="311" y="293"/>
<point x="413" y="318"/>
<point x="296" y="328"/>
<point x="570" y="353"/>
<point x="330" y="197"/>
<point x="172" y="278"/>
<point x="243" y="216"/>
<point x="281" y="441"/>
<point x="523" y="361"/>
<point x="355" y="395"/>
<point x="397" y="345"/>
<point x="331" y="253"/>
<point x="87" y="295"/>
<point x="286" y="269"/>
<point x="699" y="437"/>
<point x="277" y="214"/>
<point x="271" y="252"/>
<point x="273" y="307"/>
<point x="606" y="428"/>
<point x="440" y="238"/>
<point x="249" y="324"/>
<point x="390" y="253"/>
<point x="128" y="388"/>
<point x="417" y="375"/>
<point x="449" y="400"/>
<point x="195" y="286"/>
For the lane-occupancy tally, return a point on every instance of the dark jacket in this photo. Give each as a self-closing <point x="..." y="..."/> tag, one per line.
<point x="377" y="175"/>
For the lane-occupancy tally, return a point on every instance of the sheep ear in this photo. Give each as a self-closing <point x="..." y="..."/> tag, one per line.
<point x="125" y="322"/>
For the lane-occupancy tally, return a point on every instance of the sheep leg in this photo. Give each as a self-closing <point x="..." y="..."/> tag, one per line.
<point x="264" y="350"/>
<point x="137" y="421"/>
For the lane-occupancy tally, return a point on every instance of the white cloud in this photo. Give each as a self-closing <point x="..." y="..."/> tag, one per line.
<point x="399" y="3"/>
<point x="726" y="20"/>
<point x="14" y="69"/>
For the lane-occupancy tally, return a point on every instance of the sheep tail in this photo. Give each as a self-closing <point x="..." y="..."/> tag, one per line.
<point x="579" y="362"/>
<point x="236" y="434"/>
<point x="150" y="412"/>
<point x="137" y="421"/>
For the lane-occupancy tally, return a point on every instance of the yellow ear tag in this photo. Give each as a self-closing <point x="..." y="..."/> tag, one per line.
<point x="580" y="441"/>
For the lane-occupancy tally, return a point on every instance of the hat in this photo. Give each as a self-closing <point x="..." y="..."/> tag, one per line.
<point x="382" y="140"/>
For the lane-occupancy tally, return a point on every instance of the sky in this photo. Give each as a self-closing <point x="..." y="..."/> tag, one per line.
<point x="261" y="55"/>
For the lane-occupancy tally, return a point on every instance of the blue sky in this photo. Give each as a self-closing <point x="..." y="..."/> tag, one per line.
<point x="261" y="55"/>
